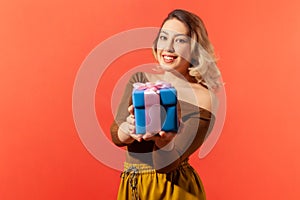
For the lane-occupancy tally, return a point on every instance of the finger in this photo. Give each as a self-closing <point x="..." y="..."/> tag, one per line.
<point x="130" y="109"/>
<point x="131" y="129"/>
<point x="137" y="137"/>
<point x="167" y="135"/>
<point x="162" y="134"/>
<point x="149" y="136"/>
<point x="130" y="119"/>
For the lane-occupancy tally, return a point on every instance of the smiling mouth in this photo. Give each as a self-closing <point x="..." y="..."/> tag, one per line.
<point x="169" y="58"/>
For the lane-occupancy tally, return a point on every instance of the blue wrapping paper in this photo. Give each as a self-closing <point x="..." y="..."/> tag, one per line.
<point x="155" y="107"/>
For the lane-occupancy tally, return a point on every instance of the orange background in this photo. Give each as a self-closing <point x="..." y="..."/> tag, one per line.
<point x="44" y="43"/>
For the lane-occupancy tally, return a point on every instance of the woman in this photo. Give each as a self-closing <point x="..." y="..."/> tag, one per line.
<point x="157" y="165"/>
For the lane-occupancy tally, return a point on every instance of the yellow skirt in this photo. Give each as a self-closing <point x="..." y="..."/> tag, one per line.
<point x="142" y="182"/>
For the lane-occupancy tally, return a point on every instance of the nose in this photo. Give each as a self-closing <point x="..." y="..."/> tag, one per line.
<point x="169" y="47"/>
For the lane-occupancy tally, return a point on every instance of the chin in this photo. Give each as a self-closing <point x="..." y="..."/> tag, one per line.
<point x="166" y="67"/>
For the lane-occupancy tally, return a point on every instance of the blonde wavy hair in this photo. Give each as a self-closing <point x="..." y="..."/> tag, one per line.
<point x="203" y="59"/>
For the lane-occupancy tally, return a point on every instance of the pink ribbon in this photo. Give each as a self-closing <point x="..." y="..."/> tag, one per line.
<point x="152" y="103"/>
<point x="151" y="86"/>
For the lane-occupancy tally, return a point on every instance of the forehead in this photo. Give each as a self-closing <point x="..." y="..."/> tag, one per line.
<point x="174" y="25"/>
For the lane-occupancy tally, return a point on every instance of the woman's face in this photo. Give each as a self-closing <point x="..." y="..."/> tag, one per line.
<point x="173" y="46"/>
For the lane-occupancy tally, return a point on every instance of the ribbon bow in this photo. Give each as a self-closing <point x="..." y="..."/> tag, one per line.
<point x="151" y="86"/>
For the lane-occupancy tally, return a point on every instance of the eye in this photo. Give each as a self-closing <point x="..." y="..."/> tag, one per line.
<point x="181" y="40"/>
<point x="162" y="37"/>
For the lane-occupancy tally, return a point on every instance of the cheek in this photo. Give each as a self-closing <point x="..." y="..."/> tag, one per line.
<point x="160" y="45"/>
<point x="183" y="51"/>
<point x="157" y="54"/>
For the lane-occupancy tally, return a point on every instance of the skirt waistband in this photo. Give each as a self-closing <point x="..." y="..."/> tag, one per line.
<point x="145" y="168"/>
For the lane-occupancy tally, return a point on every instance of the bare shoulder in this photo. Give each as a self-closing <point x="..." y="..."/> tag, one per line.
<point x="205" y="97"/>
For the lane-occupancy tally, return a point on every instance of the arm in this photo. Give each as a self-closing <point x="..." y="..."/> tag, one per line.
<point x="119" y="135"/>
<point x="195" y="126"/>
<point x="119" y="128"/>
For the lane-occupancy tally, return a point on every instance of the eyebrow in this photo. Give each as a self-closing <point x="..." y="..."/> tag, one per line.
<point x="179" y="34"/>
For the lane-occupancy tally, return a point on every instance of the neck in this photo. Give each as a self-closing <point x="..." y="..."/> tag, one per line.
<point x="183" y="75"/>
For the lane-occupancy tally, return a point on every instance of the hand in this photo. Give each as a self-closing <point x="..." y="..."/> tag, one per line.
<point x="161" y="139"/>
<point x="127" y="129"/>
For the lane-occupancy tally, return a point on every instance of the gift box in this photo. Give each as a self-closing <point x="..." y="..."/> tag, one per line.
<point x="155" y="107"/>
